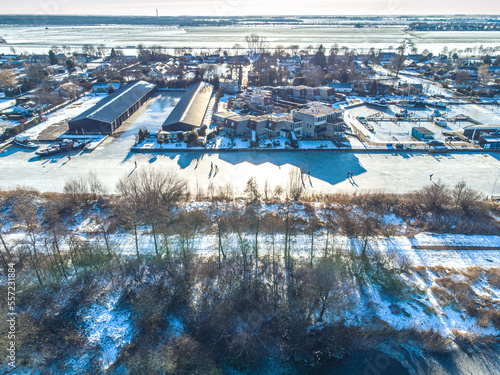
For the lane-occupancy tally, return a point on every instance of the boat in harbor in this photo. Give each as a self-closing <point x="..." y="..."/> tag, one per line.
<point x="26" y="142"/>
<point x="404" y="113"/>
<point x="65" y="145"/>
<point x="437" y="104"/>
<point x="381" y="103"/>
<point x="414" y="104"/>
<point x="439" y="121"/>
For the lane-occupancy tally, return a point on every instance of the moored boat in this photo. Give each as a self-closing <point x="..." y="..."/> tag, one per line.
<point x="26" y="142"/>
<point x="65" y="145"/>
<point x="437" y="104"/>
<point x="439" y="121"/>
<point x="382" y="103"/>
<point x="414" y="104"/>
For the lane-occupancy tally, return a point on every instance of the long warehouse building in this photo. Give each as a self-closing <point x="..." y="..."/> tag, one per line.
<point x="190" y="112"/>
<point x="109" y="113"/>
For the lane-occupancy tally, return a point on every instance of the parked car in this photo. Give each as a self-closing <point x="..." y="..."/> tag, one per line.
<point x="435" y="143"/>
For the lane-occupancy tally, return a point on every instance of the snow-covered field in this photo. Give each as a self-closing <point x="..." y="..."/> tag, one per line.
<point x="41" y="39"/>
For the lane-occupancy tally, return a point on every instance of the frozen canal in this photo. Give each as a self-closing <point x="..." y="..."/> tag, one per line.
<point x="377" y="171"/>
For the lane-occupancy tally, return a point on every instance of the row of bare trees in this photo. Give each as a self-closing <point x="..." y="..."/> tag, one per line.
<point x="149" y="205"/>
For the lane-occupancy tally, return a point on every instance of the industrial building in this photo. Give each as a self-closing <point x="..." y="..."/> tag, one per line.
<point x="421" y="133"/>
<point x="109" y="113"/>
<point x="190" y="112"/>
<point x="474" y="131"/>
<point x="489" y="142"/>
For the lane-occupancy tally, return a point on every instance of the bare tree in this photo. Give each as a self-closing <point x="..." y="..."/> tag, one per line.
<point x="101" y="50"/>
<point x="83" y="187"/>
<point x="433" y="197"/>
<point x="25" y="210"/>
<point x="7" y="79"/>
<point x="237" y="48"/>
<point x="314" y="76"/>
<point x="252" y="190"/>
<point x="52" y="220"/>
<point x="462" y="77"/>
<point x="398" y="60"/>
<point x="485" y="76"/>
<point x="464" y="197"/>
<point x="295" y="184"/>
<point x="154" y="192"/>
<point x="294" y="48"/>
<point x="128" y="210"/>
<point x="6" y="256"/>
<point x="332" y="285"/>
<point x="221" y="226"/>
<point x="257" y="46"/>
<point x="313" y="226"/>
<point x="187" y="225"/>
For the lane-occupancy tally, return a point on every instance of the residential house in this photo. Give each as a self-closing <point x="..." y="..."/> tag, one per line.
<point x="257" y="124"/>
<point x="211" y="59"/>
<point x="229" y="86"/>
<point x="26" y="109"/>
<point x="262" y="101"/>
<point x="316" y="117"/>
<point x="57" y="69"/>
<point x="341" y="87"/>
<point x="495" y="70"/>
<point x="236" y="125"/>
<point x="410" y="65"/>
<point x="414" y="56"/>
<point x="103" y="88"/>
<point x="39" y="59"/>
<point x="312" y="93"/>
<point x="220" y="117"/>
<point x="299" y="92"/>
<point x="289" y="62"/>
<point x="306" y="59"/>
<point x="386" y="56"/>
<point x="326" y="93"/>
<point x="238" y="60"/>
<point x="276" y="123"/>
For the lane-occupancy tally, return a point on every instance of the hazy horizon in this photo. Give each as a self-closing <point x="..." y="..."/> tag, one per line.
<point x="257" y="15"/>
<point x="220" y="8"/>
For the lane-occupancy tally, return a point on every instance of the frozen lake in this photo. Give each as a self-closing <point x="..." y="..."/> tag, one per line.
<point x="41" y="39"/>
<point x="398" y="172"/>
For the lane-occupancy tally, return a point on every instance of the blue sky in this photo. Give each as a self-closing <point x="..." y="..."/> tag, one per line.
<point x="250" y="7"/>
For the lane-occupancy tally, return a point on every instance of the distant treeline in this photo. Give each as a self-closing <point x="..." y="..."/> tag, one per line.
<point x="50" y="20"/>
<point x="414" y="23"/>
<point x="487" y="25"/>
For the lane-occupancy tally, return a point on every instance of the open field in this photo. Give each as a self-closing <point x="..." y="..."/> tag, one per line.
<point x="40" y="39"/>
